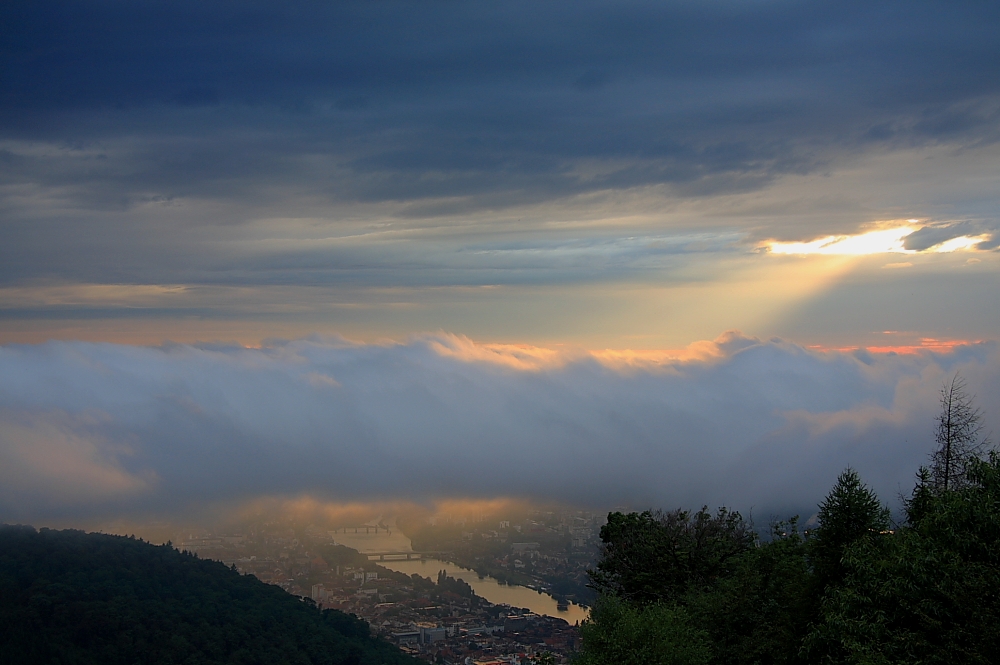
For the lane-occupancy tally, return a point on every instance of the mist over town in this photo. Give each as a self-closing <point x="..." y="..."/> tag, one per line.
<point x="453" y="317"/>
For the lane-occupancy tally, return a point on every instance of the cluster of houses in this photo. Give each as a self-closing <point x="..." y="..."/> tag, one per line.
<point x="441" y="625"/>
<point x="440" y="622"/>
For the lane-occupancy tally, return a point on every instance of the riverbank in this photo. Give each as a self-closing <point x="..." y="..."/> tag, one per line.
<point x="493" y="590"/>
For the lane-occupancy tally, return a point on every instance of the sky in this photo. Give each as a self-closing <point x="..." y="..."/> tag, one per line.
<point x="706" y="236"/>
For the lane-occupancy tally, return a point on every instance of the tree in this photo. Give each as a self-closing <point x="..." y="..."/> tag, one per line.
<point x="849" y="513"/>
<point x="652" y="556"/>
<point x="958" y="436"/>
<point x="761" y="611"/>
<point x="621" y="633"/>
<point x="74" y="597"/>
<point x="927" y="593"/>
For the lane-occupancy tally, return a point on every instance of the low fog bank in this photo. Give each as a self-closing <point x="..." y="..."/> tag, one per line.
<point x="92" y="431"/>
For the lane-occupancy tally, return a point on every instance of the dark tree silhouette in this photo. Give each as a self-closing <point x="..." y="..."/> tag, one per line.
<point x="850" y="512"/>
<point x="88" y="598"/>
<point x="656" y="556"/>
<point x="958" y="437"/>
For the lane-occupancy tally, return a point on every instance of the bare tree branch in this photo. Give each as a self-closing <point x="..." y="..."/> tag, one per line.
<point x="958" y="437"/>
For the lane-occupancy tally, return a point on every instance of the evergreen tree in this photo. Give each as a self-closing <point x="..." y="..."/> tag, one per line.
<point x="958" y="436"/>
<point x="849" y="513"/>
<point x="927" y="594"/>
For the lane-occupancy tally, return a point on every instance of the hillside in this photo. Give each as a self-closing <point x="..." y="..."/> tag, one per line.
<point x="75" y="597"/>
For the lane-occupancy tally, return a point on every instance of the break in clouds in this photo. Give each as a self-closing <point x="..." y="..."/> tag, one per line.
<point x="101" y="430"/>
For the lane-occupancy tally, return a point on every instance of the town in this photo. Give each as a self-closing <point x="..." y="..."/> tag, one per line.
<point x="440" y="620"/>
<point x="550" y="550"/>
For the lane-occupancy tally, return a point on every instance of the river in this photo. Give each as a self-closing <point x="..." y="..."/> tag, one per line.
<point x="487" y="587"/>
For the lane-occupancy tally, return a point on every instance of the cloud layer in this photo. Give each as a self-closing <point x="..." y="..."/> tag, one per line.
<point x="581" y="172"/>
<point x="98" y="430"/>
<point x="246" y="142"/>
<point x="253" y="169"/>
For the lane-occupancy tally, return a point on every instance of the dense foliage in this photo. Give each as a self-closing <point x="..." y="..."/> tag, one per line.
<point x="655" y="556"/>
<point x="853" y="590"/>
<point x="653" y="634"/>
<point x="74" y="597"/>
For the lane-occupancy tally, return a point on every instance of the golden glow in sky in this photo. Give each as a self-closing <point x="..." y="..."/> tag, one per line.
<point x="962" y="243"/>
<point x="879" y="241"/>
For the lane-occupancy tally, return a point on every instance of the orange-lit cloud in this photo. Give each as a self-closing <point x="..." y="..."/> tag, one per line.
<point x="525" y="357"/>
<point x="477" y="509"/>
<point x="513" y="356"/>
<point x="700" y="351"/>
<point x="309" y="509"/>
<point x="917" y="346"/>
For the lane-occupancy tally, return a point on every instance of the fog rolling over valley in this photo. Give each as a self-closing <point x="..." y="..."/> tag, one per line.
<point x="98" y="431"/>
<point x="668" y="254"/>
<point x="391" y="540"/>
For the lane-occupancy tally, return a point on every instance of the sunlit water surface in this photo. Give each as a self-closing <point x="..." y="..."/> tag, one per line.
<point x="487" y="587"/>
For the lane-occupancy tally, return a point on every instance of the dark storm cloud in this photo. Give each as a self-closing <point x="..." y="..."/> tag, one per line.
<point x="498" y="95"/>
<point x="138" y="140"/>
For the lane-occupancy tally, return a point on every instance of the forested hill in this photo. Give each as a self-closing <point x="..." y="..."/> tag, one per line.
<point x="856" y="588"/>
<point x="75" y="597"/>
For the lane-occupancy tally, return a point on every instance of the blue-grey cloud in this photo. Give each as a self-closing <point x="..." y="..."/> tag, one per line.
<point x="96" y="429"/>
<point x="493" y="98"/>
<point x="172" y="143"/>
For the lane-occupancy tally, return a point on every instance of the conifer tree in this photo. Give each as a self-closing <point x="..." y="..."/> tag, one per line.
<point x="850" y="512"/>
<point x="958" y="437"/>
